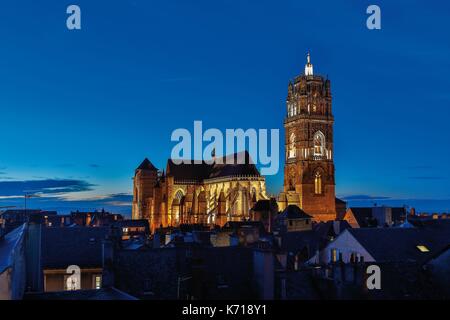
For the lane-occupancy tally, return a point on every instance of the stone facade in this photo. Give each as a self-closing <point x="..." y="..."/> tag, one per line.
<point x="196" y="193"/>
<point x="309" y="169"/>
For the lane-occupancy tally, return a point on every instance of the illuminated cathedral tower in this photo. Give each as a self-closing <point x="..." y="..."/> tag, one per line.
<point x="309" y="169"/>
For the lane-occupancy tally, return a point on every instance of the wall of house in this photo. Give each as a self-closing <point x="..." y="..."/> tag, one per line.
<point x="55" y="280"/>
<point x="346" y="244"/>
<point x="263" y="269"/>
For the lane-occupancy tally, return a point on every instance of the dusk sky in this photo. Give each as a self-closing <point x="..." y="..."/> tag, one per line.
<point x="79" y="110"/>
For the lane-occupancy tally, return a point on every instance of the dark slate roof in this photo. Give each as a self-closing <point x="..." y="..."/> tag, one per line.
<point x="398" y="214"/>
<point x="82" y="246"/>
<point x="146" y="165"/>
<point x="265" y="205"/>
<point x="203" y="170"/>
<point x="100" y="294"/>
<point x="294" y="212"/>
<point x="330" y="229"/>
<point x="399" y="244"/>
<point x="315" y="239"/>
<point x="132" y="223"/>
<point x="235" y="225"/>
<point x="337" y="200"/>
<point x="297" y="240"/>
<point x="363" y="216"/>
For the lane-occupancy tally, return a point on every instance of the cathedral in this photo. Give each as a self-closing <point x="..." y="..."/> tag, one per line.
<point x="218" y="192"/>
<point x="196" y="193"/>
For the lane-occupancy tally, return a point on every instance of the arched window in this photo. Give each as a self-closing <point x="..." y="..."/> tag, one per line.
<point x="292" y="151"/>
<point x="179" y="194"/>
<point x="319" y="144"/>
<point x="318" y="183"/>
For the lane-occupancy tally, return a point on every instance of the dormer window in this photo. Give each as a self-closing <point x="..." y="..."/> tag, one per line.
<point x="422" y="248"/>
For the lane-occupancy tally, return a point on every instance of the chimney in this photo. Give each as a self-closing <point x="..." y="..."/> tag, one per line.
<point x="108" y="263"/>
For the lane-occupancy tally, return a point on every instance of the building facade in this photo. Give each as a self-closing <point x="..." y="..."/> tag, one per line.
<point x="196" y="193"/>
<point x="309" y="168"/>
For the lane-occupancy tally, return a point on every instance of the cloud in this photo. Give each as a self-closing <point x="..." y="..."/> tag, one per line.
<point x="116" y="203"/>
<point x="45" y="187"/>
<point x="364" y="197"/>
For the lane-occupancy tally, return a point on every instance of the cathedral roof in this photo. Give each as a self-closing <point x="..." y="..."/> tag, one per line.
<point x="146" y="165"/>
<point x="204" y="170"/>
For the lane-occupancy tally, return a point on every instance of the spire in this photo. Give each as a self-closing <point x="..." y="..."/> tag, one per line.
<point x="146" y="165"/>
<point x="308" y="66"/>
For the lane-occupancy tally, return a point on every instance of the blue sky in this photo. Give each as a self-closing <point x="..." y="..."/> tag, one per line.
<point x="79" y="110"/>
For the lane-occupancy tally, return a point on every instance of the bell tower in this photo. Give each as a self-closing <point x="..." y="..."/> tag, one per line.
<point x="144" y="182"/>
<point x="309" y="169"/>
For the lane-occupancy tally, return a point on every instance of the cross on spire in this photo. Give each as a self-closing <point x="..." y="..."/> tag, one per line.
<point x="308" y="66"/>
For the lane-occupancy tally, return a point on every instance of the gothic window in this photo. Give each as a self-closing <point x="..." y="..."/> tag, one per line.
<point x="292" y="146"/>
<point x="319" y="144"/>
<point x="318" y="183"/>
<point x="295" y="109"/>
<point x="291" y="109"/>
<point x="179" y="194"/>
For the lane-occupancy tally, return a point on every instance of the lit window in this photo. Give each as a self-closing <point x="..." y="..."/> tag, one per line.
<point x="422" y="248"/>
<point x="318" y="183"/>
<point x="98" y="282"/>
<point x="334" y="254"/>
<point x="319" y="144"/>
<point x="71" y="283"/>
<point x="292" y="151"/>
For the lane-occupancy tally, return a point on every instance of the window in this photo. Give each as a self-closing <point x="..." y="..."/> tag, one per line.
<point x="71" y="283"/>
<point x="292" y="151"/>
<point x="319" y="144"/>
<point x="98" y="282"/>
<point x="422" y="248"/>
<point x="318" y="183"/>
<point x="334" y="255"/>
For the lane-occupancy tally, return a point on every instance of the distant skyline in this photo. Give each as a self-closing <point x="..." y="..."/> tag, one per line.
<point x="79" y="110"/>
